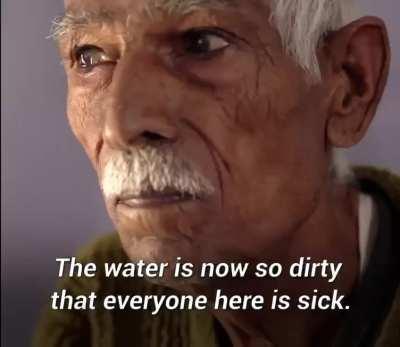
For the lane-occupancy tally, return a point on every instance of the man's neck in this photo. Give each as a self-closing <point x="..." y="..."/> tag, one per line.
<point x="330" y="233"/>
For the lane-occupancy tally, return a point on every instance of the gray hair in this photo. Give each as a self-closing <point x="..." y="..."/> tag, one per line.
<point x="303" y="23"/>
<point x="152" y="169"/>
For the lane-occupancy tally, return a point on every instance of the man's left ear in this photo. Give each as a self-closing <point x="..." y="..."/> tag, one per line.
<point x="359" y="59"/>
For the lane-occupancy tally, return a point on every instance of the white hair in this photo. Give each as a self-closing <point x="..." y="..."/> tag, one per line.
<point x="152" y="169"/>
<point x="303" y="23"/>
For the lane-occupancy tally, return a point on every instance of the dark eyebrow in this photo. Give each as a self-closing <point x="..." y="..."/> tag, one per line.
<point x="72" y="20"/>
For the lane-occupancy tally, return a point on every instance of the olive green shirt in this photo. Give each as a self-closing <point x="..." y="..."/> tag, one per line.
<point x="374" y="319"/>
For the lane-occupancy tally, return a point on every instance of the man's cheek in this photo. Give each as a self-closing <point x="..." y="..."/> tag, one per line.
<point x="85" y="122"/>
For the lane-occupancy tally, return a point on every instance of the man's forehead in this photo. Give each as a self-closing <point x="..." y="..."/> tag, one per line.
<point x="76" y="6"/>
<point x="80" y="13"/>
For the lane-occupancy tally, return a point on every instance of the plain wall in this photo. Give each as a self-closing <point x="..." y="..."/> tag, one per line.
<point x="51" y="203"/>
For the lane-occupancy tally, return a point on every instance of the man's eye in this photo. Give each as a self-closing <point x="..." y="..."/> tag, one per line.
<point x="203" y="42"/>
<point x="87" y="57"/>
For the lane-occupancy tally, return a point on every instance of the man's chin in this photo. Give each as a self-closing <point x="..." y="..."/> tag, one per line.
<point x="167" y="221"/>
<point x="152" y="249"/>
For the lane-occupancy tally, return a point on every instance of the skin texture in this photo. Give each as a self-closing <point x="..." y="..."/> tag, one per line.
<point x="247" y="118"/>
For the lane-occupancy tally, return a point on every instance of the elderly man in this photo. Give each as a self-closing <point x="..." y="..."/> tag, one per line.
<point x="214" y="128"/>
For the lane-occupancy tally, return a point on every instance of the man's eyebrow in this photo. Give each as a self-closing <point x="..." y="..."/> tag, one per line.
<point x="72" y="21"/>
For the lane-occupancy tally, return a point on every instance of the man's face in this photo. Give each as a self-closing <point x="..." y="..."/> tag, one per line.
<point x="209" y="93"/>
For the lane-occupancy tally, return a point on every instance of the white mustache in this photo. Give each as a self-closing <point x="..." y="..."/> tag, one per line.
<point x="152" y="169"/>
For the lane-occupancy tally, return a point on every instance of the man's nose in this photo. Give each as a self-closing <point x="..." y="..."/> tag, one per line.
<point x="139" y="108"/>
<point x="125" y="129"/>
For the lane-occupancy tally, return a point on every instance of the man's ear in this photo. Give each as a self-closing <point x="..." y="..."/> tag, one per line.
<point x="359" y="58"/>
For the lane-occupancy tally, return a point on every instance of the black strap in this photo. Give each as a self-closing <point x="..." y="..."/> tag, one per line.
<point x="372" y="300"/>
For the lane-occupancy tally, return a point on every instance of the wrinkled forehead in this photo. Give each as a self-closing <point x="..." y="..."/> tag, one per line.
<point x="83" y="13"/>
<point x="137" y="5"/>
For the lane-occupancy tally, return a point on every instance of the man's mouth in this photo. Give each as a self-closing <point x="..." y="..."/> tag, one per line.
<point x="153" y="199"/>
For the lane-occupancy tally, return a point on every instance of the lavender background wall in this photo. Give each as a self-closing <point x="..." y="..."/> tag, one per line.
<point x="50" y="200"/>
